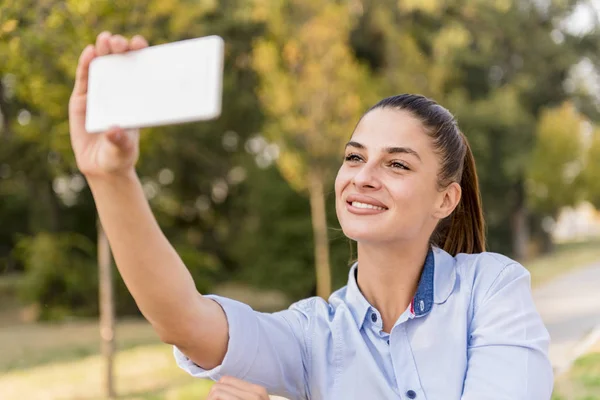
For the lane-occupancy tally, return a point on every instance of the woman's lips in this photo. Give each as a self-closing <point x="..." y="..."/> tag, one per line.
<point x="365" y="200"/>
<point x="363" y="211"/>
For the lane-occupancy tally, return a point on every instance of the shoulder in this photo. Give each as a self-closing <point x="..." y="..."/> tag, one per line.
<point x="483" y="266"/>
<point x="489" y="272"/>
<point x="313" y="308"/>
<point x="323" y="311"/>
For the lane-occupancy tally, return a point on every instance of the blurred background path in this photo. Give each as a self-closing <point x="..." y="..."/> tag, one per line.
<point x="574" y="320"/>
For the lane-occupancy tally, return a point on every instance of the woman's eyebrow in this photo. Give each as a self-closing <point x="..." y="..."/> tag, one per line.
<point x="405" y="150"/>
<point x="355" y="145"/>
<point x="389" y="150"/>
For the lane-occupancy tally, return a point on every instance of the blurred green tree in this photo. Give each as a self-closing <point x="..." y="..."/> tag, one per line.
<point x="311" y="89"/>
<point x="591" y="173"/>
<point x="532" y="57"/>
<point x="502" y="67"/>
<point x="496" y="65"/>
<point x="186" y="169"/>
<point x="61" y="274"/>
<point x="557" y="160"/>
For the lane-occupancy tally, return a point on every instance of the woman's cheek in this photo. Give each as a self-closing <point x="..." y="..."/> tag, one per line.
<point x="342" y="179"/>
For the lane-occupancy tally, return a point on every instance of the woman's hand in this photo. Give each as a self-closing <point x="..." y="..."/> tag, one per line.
<point x="229" y="388"/>
<point x="115" y="151"/>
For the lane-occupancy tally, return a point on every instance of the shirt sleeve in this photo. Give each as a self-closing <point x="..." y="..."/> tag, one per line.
<point x="266" y="349"/>
<point x="508" y="343"/>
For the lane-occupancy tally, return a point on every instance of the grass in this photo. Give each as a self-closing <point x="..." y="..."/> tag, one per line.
<point x="565" y="258"/>
<point x="582" y="382"/>
<point x="145" y="372"/>
<point x="61" y="361"/>
<point x="27" y="345"/>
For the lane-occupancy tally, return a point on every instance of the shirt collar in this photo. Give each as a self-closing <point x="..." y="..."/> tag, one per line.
<point x="359" y="306"/>
<point x="435" y="286"/>
<point x="445" y="275"/>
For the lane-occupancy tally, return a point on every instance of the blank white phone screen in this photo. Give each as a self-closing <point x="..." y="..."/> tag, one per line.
<point x="159" y="85"/>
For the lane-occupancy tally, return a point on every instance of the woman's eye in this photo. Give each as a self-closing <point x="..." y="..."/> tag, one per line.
<point x="353" y="157"/>
<point x="396" y="164"/>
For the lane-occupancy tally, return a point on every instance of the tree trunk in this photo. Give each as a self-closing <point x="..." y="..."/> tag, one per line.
<point x="5" y="127"/>
<point x="107" y="311"/>
<point x="321" y="241"/>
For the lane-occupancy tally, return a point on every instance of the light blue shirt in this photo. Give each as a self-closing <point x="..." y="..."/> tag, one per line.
<point x="471" y="332"/>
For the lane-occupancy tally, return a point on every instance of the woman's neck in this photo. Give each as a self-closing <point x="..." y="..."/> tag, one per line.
<point x="388" y="277"/>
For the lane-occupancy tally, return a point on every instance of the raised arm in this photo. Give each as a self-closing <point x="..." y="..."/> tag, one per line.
<point x="153" y="272"/>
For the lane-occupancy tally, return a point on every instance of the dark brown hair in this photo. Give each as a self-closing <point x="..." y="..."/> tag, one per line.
<point x="463" y="231"/>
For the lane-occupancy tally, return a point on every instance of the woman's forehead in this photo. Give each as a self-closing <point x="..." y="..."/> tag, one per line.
<point x="382" y="128"/>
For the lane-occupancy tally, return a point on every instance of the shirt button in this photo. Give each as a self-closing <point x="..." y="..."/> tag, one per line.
<point x="411" y="394"/>
<point x="388" y="341"/>
<point x="374" y="317"/>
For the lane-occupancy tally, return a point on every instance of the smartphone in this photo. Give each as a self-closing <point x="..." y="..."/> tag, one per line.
<point x="160" y="85"/>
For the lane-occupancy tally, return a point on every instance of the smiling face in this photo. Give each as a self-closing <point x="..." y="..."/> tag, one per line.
<point x="387" y="187"/>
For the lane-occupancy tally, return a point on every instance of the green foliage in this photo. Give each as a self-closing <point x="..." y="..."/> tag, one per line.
<point x="61" y="276"/>
<point x="297" y="74"/>
<point x="591" y="175"/>
<point x="496" y="65"/>
<point x="310" y="86"/>
<point x="273" y="247"/>
<point x="582" y="381"/>
<point x="203" y="266"/>
<point x="41" y="190"/>
<point x="556" y="163"/>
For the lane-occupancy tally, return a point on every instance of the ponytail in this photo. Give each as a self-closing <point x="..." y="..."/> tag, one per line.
<point x="464" y="230"/>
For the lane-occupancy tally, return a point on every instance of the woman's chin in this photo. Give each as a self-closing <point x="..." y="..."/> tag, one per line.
<point x="363" y="234"/>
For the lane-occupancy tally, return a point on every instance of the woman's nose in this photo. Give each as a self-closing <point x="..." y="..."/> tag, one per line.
<point x="367" y="177"/>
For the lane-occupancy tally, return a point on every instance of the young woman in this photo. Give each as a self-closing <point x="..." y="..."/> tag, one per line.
<point x="426" y="313"/>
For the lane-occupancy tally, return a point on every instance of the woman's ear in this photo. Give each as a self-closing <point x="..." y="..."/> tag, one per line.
<point x="448" y="200"/>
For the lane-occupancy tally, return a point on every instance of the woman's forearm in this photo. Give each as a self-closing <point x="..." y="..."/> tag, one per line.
<point x="152" y="270"/>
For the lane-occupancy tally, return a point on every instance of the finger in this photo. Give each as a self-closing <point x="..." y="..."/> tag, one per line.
<point x="243" y="385"/>
<point x="225" y="392"/>
<point x="102" y="44"/>
<point x="123" y="139"/>
<point x="138" y="42"/>
<point x="119" y="138"/>
<point x="83" y="67"/>
<point x="118" y="44"/>
<point x="116" y="136"/>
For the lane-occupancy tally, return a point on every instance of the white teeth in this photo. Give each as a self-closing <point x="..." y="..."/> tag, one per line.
<point x="365" y="205"/>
